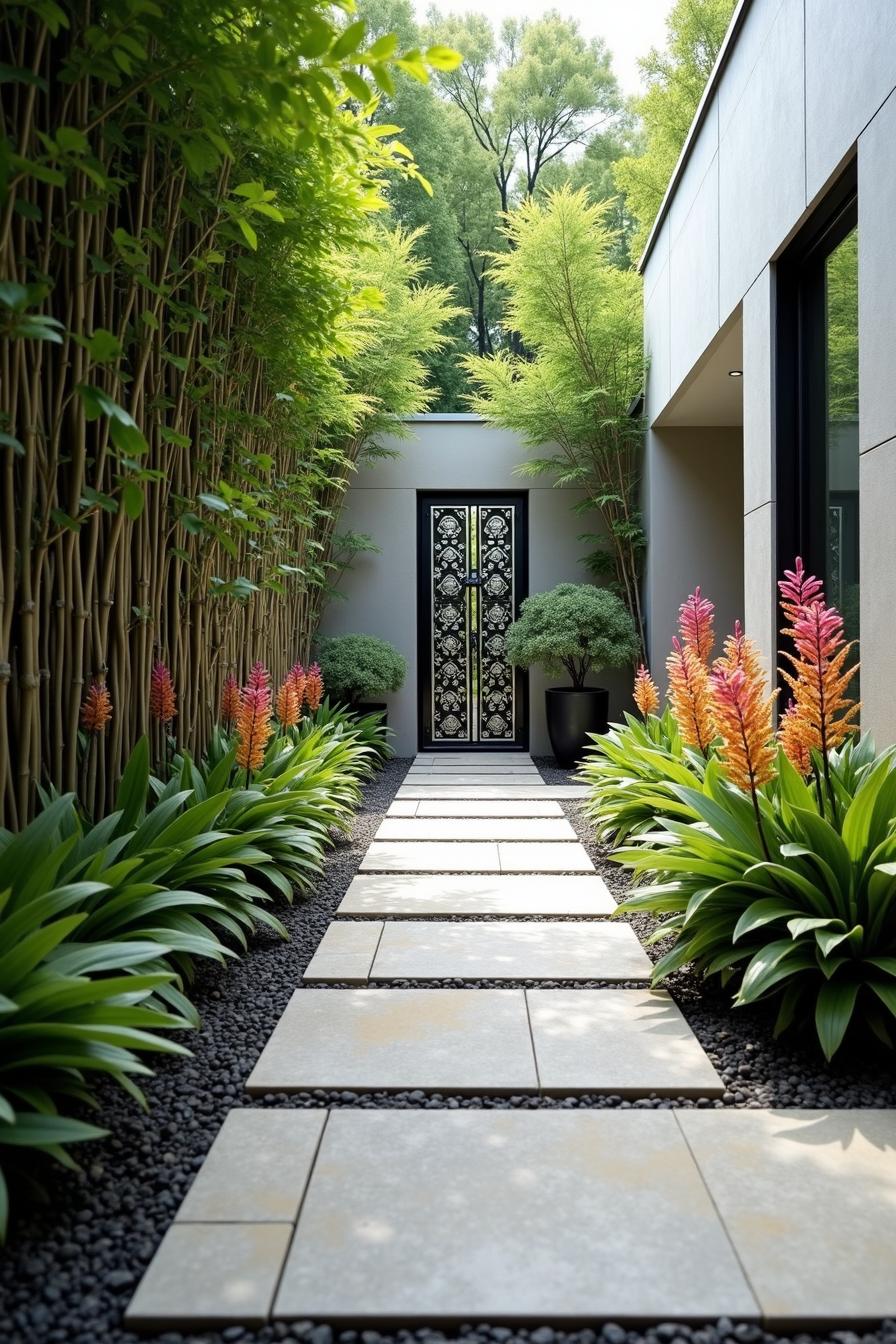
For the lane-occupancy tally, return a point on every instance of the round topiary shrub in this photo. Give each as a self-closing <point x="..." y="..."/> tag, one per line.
<point x="358" y="668"/>
<point x="575" y="627"/>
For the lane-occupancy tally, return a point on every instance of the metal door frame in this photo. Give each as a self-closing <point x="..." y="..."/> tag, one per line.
<point x="462" y="499"/>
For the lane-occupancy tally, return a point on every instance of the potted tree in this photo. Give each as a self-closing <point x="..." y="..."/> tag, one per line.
<point x="358" y="669"/>
<point x="580" y="629"/>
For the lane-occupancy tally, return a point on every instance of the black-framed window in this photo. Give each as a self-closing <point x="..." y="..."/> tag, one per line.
<point x="818" y="401"/>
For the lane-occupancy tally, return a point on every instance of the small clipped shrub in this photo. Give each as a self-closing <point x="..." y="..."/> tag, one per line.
<point x="357" y="668"/>
<point x="574" y="627"/>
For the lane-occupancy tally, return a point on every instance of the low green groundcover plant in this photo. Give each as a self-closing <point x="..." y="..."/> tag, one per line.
<point x="576" y="628"/>
<point x="769" y="858"/>
<point x="357" y="668"/>
<point x="102" y="924"/>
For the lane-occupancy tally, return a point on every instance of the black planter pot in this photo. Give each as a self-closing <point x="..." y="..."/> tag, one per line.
<point x="371" y="707"/>
<point x="572" y="715"/>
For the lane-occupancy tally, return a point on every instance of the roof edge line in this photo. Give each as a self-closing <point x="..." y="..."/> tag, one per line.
<point x="734" y="27"/>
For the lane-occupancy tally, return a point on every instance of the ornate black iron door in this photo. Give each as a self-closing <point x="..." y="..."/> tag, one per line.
<point x="472" y="580"/>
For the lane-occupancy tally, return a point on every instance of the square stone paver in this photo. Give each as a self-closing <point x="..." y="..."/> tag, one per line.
<point x="476" y="894"/>
<point x="627" y="1042"/>
<point x="472" y="807"/>
<point x="398" y="856"/>
<point x="374" y="1040"/>
<point x="211" y="1274"/>
<point x="475" y="828"/>
<point x="256" y="1169"/>
<point x="446" y="1216"/>
<point x="499" y="950"/>
<point x="544" y="858"/>
<point x="809" y="1201"/>
<point x="345" y="953"/>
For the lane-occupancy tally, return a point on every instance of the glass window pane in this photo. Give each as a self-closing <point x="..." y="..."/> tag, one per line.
<point x="842" y="430"/>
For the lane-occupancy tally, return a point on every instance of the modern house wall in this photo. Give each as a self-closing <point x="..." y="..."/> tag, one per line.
<point x="802" y="94"/>
<point x="379" y="593"/>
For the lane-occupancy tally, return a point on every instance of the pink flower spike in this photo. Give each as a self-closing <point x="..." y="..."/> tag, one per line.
<point x="259" y="677"/>
<point x="695" y="618"/>
<point x="798" y="589"/>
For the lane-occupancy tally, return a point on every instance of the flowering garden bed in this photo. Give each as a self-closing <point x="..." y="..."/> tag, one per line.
<point x="769" y="858"/>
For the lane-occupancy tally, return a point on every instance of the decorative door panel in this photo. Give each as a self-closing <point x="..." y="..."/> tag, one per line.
<point x="472" y="580"/>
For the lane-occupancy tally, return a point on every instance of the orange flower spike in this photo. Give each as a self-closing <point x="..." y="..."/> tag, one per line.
<point x="797" y="738"/>
<point x="695" y="618"/>
<point x="296" y="675"/>
<point x="646" y="695"/>
<point x="162" y="700"/>
<point x="742" y="708"/>
<point x="689" y="696"/>
<point x="253" y="727"/>
<point x="741" y="652"/>
<point x="96" y="709"/>
<point x="820" y="677"/>
<point x="230" y="701"/>
<point x="289" y="708"/>
<point x="314" y="688"/>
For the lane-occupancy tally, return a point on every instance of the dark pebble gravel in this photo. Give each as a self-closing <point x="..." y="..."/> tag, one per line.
<point x="71" y="1265"/>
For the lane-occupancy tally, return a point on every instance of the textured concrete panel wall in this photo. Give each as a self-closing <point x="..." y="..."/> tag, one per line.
<point x="380" y="592"/>
<point x="695" y="529"/>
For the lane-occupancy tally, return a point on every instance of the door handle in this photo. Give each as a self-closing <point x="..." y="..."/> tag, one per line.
<point x="472" y="580"/>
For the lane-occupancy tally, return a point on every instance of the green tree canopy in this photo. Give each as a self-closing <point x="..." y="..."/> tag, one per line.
<point x="676" y="78"/>
<point x="580" y="320"/>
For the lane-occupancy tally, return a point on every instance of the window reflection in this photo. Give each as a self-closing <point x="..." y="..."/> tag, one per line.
<point x="842" y="429"/>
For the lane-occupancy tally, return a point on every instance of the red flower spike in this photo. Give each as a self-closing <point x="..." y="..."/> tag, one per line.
<point x="230" y="701"/>
<point x="162" y="700"/>
<point x="314" y="687"/>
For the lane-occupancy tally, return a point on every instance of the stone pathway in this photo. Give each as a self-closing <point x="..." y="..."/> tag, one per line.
<point x="443" y="1216"/>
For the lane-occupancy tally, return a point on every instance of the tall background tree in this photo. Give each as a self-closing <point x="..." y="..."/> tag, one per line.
<point x="675" y="78"/>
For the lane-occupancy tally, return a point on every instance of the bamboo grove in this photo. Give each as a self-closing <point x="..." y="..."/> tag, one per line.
<point x="202" y="329"/>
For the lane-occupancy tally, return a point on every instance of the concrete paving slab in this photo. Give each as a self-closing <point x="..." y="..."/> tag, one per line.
<point x="472" y="807"/>
<point x="474" y="768"/>
<point x="257" y="1168"/>
<point x="475" y="828"/>
<point x="499" y="950"/>
<point x="345" y="953"/>
<point x="808" y="1199"/>
<point x="544" y="857"/>
<point x="476" y="894"/>
<point x="376" y="1040"/>
<point x="211" y="1274"/>
<point x="469" y="778"/>
<point x="623" y="1042"/>
<point x="433" y="760"/>
<point x="403" y="807"/>
<point x="517" y="1216"/>
<point x="502" y="792"/>
<point x="398" y="856"/>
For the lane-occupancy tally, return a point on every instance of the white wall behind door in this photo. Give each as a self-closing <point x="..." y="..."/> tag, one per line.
<point x="379" y="594"/>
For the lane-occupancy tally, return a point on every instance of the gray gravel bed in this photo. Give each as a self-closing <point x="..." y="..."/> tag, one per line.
<point x="72" y="1265"/>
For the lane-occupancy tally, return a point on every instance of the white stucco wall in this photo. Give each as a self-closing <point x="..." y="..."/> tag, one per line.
<point x="808" y="84"/>
<point x="380" y="592"/>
